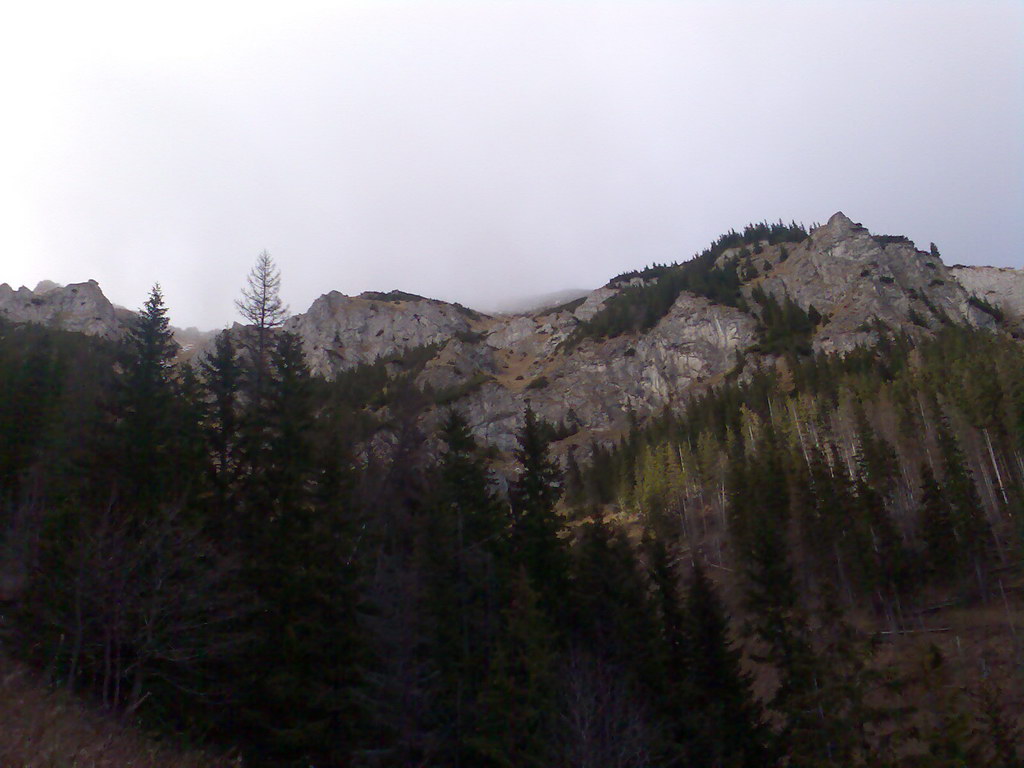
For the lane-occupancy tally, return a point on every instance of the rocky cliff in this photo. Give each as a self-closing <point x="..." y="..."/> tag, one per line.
<point x="340" y="332"/>
<point x="1000" y="286"/>
<point x="78" y="307"/>
<point x="857" y="279"/>
<point x="490" y="366"/>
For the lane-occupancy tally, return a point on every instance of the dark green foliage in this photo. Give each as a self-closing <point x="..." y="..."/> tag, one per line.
<point x="144" y="406"/>
<point x="535" y="523"/>
<point x="301" y="680"/>
<point x="569" y="306"/>
<point x="640" y="307"/>
<point x="465" y="560"/>
<point x="395" y="297"/>
<point x="221" y="375"/>
<point x="133" y="609"/>
<point x="612" y="614"/>
<point x="725" y="725"/>
<point x="517" y="704"/>
<point x="48" y="378"/>
<point x="785" y="328"/>
<point x="969" y="526"/>
<point x="381" y="383"/>
<point x="987" y="307"/>
<point x="456" y="392"/>
<point x="937" y="528"/>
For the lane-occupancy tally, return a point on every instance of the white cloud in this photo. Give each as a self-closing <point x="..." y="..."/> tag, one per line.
<point x="477" y="151"/>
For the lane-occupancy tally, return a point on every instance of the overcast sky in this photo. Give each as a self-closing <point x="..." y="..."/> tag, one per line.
<point x="482" y="151"/>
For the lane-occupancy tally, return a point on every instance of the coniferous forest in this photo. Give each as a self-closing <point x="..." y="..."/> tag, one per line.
<point x="814" y="563"/>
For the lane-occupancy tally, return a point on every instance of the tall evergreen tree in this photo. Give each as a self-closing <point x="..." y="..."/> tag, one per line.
<point x="725" y="724"/>
<point x="759" y="499"/>
<point x="936" y="526"/>
<point x="970" y="526"/>
<point x="221" y="375"/>
<point x="465" y="563"/>
<point x="518" y="700"/>
<point x="535" y="523"/>
<point x="145" y="404"/>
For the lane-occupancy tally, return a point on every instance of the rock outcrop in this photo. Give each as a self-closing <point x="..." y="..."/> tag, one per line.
<point x="492" y="366"/>
<point x="78" y="307"/>
<point x="340" y="332"/>
<point x="1001" y="287"/>
<point x="596" y="386"/>
<point x="857" y="280"/>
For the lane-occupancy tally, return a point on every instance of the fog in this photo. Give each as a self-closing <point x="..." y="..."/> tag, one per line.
<point x="482" y="152"/>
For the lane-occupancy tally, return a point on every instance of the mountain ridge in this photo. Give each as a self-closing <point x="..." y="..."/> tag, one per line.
<point x="577" y="363"/>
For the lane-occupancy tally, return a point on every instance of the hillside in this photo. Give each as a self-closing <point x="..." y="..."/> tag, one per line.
<point x="758" y="508"/>
<point x="41" y="728"/>
<point x="651" y="338"/>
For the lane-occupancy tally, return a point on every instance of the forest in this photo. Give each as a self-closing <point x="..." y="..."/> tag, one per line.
<point x="816" y="562"/>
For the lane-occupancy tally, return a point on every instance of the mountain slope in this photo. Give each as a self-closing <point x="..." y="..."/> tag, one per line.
<point x="642" y="342"/>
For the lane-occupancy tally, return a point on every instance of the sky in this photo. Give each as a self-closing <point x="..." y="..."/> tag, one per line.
<point x="482" y="152"/>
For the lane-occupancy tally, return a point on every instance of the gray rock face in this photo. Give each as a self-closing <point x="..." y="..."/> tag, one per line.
<point x="78" y="307"/>
<point x="491" y="367"/>
<point x="856" y="278"/>
<point x="1000" y="286"/>
<point x="599" y="383"/>
<point x="340" y="332"/>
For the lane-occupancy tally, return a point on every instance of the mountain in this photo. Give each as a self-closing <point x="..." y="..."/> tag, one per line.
<point x="644" y="341"/>
<point x="77" y="307"/>
<point x="859" y="283"/>
<point x="812" y="557"/>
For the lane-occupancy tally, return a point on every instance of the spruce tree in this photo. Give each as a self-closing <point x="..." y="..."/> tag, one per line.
<point x="759" y="497"/>
<point x="613" y="616"/>
<point x="937" y="528"/>
<point x="221" y="375"/>
<point x="518" y="700"/>
<point x="535" y="523"/>
<point x="145" y="404"/>
<point x="970" y="526"/>
<point x="726" y="726"/>
<point x="303" y="701"/>
<point x="464" y="562"/>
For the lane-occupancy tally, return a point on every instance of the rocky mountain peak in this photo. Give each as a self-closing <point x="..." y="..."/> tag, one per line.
<point x="45" y="286"/>
<point x="340" y="332"/>
<point x="839" y="228"/>
<point x="586" y="362"/>
<point x="76" y="307"/>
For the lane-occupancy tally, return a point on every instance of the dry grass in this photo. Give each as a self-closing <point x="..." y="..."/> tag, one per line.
<point x="50" y="729"/>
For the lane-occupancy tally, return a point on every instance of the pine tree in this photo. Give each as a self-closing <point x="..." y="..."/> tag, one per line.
<point x="518" y="700"/>
<point x="465" y="561"/>
<point x="221" y="375"/>
<point x="970" y="526"/>
<point x="145" y="404"/>
<point x="726" y="726"/>
<point x="535" y="523"/>
<point x="936" y="525"/>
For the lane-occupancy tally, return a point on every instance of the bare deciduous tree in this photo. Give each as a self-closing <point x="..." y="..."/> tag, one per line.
<point x="262" y="306"/>
<point x="603" y="724"/>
